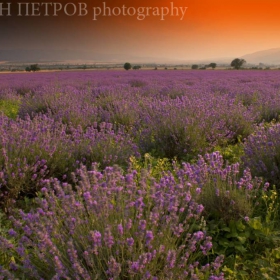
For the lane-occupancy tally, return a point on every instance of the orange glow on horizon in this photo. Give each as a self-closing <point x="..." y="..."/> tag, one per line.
<point x="210" y="28"/>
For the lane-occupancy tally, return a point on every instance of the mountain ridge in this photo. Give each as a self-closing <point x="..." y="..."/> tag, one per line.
<point x="269" y="56"/>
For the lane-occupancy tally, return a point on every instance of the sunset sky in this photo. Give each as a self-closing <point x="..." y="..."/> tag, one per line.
<point x="209" y="29"/>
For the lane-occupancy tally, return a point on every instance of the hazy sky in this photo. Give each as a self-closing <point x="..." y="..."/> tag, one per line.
<point x="209" y="29"/>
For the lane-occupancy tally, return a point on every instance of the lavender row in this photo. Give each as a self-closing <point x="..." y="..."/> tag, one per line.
<point x="116" y="225"/>
<point x="38" y="148"/>
<point x="173" y="113"/>
<point x="106" y="117"/>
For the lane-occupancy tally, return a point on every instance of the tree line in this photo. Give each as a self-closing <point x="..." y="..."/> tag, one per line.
<point x="237" y="64"/>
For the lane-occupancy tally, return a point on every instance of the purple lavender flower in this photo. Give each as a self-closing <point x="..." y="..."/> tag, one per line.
<point x="171" y="258"/>
<point x="149" y="237"/>
<point x="246" y="219"/>
<point x="130" y="241"/>
<point x="199" y="235"/>
<point x="114" y="268"/>
<point x="120" y="229"/>
<point x="12" y="233"/>
<point x="108" y="238"/>
<point x="142" y="225"/>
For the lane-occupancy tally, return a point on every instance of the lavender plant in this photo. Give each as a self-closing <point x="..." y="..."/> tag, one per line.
<point x="69" y="118"/>
<point x="262" y="152"/>
<point x="112" y="226"/>
<point x="171" y="114"/>
<point x="225" y="192"/>
<point x="40" y="148"/>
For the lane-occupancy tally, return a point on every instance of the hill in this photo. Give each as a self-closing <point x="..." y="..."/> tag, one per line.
<point x="271" y="56"/>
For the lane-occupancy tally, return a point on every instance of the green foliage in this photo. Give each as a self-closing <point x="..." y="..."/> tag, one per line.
<point x="156" y="167"/>
<point x="252" y="247"/>
<point x="194" y="66"/>
<point x="10" y="108"/>
<point x="127" y="66"/>
<point x="136" y="67"/>
<point x="232" y="153"/>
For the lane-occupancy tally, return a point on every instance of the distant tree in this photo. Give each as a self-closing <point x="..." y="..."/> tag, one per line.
<point x="237" y="63"/>
<point x="212" y="65"/>
<point x="194" y="66"/>
<point x="155" y="68"/>
<point x="33" y="68"/>
<point x="127" y="66"/>
<point x="136" y="67"/>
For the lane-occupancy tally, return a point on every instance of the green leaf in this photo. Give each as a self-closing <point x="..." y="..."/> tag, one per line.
<point x="242" y="273"/>
<point x="256" y="223"/>
<point x="276" y="253"/>
<point x="232" y="234"/>
<point x="242" y="239"/>
<point x="227" y="270"/>
<point x="225" y="229"/>
<point x="240" y="226"/>
<point x="224" y="242"/>
<point x="240" y="248"/>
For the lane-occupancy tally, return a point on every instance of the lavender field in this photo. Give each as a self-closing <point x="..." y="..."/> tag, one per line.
<point x="140" y="175"/>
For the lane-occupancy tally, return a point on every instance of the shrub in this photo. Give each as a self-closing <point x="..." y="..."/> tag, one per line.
<point x="67" y="105"/>
<point x="241" y="215"/>
<point x="112" y="226"/>
<point x="262" y="153"/>
<point x="225" y="193"/>
<point x="9" y="107"/>
<point x="137" y="83"/>
<point x="41" y="148"/>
